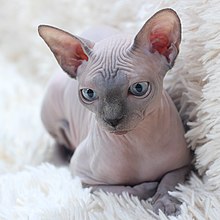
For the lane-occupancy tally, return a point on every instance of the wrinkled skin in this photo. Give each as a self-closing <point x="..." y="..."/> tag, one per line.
<point x="123" y="127"/>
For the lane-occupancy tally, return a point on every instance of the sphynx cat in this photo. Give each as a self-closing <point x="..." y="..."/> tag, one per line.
<point x="124" y="129"/>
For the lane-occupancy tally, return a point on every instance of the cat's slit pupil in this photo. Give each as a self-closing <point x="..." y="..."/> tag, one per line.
<point x="139" y="87"/>
<point x="90" y="93"/>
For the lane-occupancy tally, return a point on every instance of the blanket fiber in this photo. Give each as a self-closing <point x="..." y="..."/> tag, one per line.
<point x="31" y="186"/>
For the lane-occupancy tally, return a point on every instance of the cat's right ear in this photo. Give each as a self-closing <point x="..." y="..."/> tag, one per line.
<point x="70" y="51"/>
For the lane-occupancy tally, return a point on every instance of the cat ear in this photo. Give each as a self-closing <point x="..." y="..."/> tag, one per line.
<point x="70" y="51"/>
<point x="161" y="34"/>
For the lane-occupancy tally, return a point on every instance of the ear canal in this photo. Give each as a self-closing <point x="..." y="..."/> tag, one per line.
<point x="161" y="34"/>
<point x="69" y="51"/>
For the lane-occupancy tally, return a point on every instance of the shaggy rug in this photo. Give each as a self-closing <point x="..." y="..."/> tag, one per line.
<point x="31" y="186"/>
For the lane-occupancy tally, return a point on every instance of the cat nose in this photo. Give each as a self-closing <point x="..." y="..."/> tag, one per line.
<point x="113" y="122"/>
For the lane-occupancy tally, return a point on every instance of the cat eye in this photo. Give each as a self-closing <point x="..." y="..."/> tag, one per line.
<point x="88" y="95"/>
<point x="140" y="89"/>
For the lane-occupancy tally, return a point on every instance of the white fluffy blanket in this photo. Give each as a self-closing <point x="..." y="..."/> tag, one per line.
<point x="30" y="188"/>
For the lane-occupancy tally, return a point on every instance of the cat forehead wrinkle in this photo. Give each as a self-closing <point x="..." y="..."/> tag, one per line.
<point x="111" y="54"/>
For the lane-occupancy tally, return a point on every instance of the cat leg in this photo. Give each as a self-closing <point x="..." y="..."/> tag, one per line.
<point x="142" y="191"/>
<point x="162" y="200"/>
<point x="62" y="150"/>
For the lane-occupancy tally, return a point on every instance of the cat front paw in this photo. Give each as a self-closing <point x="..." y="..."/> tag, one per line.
<point x="166" y="203"/>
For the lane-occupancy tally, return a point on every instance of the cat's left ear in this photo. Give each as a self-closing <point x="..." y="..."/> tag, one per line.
<point x="161" y="34"/>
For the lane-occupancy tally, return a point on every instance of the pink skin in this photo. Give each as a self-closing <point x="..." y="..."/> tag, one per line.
<point x="122" y="141"/>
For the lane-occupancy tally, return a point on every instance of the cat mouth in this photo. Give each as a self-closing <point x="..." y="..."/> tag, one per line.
<point x="119" y="132"/>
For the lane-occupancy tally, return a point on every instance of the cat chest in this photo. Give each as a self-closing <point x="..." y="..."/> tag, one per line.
<point x="128" y="165"/>
<point x="127" y="161"/>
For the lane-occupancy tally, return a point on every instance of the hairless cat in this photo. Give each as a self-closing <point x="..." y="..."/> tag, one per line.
<point x="122" y="125"/>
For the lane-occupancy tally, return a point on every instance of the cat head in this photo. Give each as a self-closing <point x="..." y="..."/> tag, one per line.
<point x="120" y="77"/>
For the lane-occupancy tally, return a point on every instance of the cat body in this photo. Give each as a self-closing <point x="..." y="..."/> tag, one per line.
<point x="112" y="110"/>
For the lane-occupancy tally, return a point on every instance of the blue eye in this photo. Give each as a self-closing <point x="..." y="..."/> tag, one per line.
<point x="140" y="89"/>
<point x="89" y="95"/>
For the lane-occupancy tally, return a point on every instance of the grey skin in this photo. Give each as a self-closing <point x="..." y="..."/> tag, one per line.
<point x="123" y="127"/>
